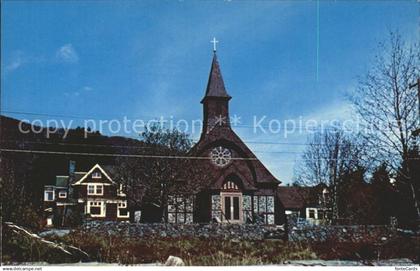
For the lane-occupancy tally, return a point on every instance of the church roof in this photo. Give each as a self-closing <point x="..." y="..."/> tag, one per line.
<point x="215" y="85"/>
<point x="226" y="134"/>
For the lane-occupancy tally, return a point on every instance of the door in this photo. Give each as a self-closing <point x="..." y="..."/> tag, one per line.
<point x="232" y="207"/>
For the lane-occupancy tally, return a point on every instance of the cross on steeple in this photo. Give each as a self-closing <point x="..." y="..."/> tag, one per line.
<point x="214" y="41"/>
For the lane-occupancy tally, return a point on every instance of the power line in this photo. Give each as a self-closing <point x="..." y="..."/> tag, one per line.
<point x="118" y="155"/>
<point x="154" y="118"/>
<point x="60" y="115"/>
<point x="145" y="147"/>
<point x="78" y="144"/>
<point x="148" y="155"/>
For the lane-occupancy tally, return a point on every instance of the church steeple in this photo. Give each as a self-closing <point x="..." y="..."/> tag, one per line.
<point x="215" y="85"/>
<point x="216" y="100"/>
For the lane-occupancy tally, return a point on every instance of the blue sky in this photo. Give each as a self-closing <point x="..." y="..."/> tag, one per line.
<point x="144" y="59"/>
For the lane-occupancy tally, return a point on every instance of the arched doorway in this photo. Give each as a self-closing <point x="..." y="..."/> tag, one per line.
<point x="231" y="201"/>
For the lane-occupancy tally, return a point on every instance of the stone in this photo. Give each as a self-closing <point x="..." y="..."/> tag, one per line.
<point x="174" y="261"/>
<point x="48" y="251"/>
<point x="224" y="231"/>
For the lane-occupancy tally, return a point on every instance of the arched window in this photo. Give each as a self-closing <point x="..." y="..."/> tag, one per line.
<point x="229" y="185"/>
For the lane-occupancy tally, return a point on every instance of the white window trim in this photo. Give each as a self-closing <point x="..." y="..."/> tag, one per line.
<point x="231" y="195"/>
<point x="315" y="213"/>
<point x="123" y="216"/>
<point x="46" y="197"/>
<point x="95" y="189"/>
<point x="61" y="193"/>
<point x="90" y="171"/>
<point x="120" y="191"/>
<point x="96" y="175"/>
<point x="124" y="206"/>
<point x="103" y="209"/>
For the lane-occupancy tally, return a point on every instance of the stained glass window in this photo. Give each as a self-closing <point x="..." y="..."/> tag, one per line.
<point x="247" y="208"/>
<point x="180" y="209"/>
<point x="215" y="207"/>
<point x="264" y="208"/>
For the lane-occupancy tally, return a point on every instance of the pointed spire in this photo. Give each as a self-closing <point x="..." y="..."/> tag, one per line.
<point x="215" y="85"/>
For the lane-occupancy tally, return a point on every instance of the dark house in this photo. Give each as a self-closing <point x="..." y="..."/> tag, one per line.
<point x="306" y="204"/>
<point x="93" y="194"/>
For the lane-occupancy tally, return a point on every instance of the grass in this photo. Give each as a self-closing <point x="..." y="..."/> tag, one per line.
<point x="121" y="249"/>
<point x="194" y="251"/>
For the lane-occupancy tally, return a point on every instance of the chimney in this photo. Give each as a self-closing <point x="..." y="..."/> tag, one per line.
<point x="72" y="167"/>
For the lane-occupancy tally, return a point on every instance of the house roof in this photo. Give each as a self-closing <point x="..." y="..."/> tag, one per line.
<point x="61" y="181"/>
<point x="110" y="170"/>
<point x="295" y="197"/>
<point x="215" y="85"/>
<point x="97" y="166"/>
<point x="77" y="176"/>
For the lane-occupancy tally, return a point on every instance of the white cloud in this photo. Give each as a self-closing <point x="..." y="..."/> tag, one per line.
<point x="16" y="61"/>
<point x="87" y="88"/>
<point x="67" y="53"/>
<point x="338" y="110"/>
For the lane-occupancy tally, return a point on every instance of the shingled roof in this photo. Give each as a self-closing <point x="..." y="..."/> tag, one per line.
<point x="294" y="197"/>
<point x="298" y="197"/>
<point x="215" y="85"/>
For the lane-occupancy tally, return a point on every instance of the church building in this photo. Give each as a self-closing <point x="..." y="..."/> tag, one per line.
<point x="242" y="189"/>
<point x="238" y="187"/>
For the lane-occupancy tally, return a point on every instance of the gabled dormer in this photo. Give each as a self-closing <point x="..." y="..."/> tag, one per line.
<point x="96" y="183"/>
<point x="95" y="175"/>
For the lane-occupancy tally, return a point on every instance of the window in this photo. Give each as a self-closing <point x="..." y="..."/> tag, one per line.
<point x="122" y="210"/>
<point x="321" y="214"/>
<point x="96" y="208"/>
<point x="220" y="156"/>
<point x="311" y="213"/>
<point x="91" y="189"/>
<point x="232" y="207"/>
<point x="49" y="195"/>
<point x="229" y="185"/>
<point x="264" y="208"/>
<point x="180" y="209"/>
<point x="216" y="207"/>
<point x="62" y="194"/>
<point x="95" y="189"/>
<point x="96" y="175"/>
<point x="247" y="208"/>
<point x="120" y="191"/>
<point x="99" y="189"/>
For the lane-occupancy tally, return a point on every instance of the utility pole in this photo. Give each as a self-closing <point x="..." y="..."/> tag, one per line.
<point x="416" y="136"/>
<point x="416" y="132"/>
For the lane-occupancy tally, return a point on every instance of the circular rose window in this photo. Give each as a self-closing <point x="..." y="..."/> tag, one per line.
<point x="220" y="156"/>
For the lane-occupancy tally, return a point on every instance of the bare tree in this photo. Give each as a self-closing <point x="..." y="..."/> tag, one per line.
<point x="328" y="156"/>
<point x="164" y="168"/>
<point x="387" y="106"/>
